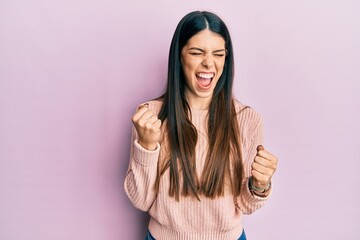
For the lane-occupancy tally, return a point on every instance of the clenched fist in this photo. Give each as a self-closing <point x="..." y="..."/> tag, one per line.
<point x="147" y="126"/>
<point x="263" y="168"/>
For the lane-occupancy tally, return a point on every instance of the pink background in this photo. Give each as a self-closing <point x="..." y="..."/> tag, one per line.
<point x="72" y="73"/>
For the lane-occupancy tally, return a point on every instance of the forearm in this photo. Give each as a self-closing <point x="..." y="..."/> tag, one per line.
<point x="248" y="202"/>
<point x="141" y="176"/>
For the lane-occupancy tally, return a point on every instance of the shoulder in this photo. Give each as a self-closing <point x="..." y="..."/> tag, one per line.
<point x="245" y="111"/>
<point x="248" y="118"/>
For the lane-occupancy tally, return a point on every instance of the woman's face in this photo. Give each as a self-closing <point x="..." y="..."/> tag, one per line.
<point x="202" y="59"/>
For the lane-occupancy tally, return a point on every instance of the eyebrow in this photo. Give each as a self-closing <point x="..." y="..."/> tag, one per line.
<point x="202" y="50"/>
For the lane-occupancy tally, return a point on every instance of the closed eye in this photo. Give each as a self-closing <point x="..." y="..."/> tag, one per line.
<point x="199" y="52"/>
<point x="196" y="53"/>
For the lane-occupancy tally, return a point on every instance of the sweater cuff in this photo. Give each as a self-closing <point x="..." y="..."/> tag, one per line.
<point x="145" y="157"/>
<point x="254" y="196"/>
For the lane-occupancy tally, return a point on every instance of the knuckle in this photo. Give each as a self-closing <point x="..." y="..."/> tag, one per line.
<point x="140" y="122"/>
<point x="134" y="118"/>
<point x="148" y="125"/>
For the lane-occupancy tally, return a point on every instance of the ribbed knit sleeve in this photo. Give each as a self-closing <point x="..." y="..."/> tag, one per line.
<point x="252" y="126"/>
<point x="141" y="174"/>
<point x="189" y="218"/>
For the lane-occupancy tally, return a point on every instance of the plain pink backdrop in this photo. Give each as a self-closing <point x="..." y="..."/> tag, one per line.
<point x="72" y="73"/>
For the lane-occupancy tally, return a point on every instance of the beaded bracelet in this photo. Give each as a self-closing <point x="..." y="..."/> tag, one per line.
<point x="260" y="190"/>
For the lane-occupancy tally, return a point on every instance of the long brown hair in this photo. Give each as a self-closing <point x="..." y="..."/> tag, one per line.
<point x="224" y="153"/>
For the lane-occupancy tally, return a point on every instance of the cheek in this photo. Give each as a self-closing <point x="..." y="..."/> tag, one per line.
<point x="189" y="64"/>
<point x="220" y="68"/>
<point x="188" y="67"/>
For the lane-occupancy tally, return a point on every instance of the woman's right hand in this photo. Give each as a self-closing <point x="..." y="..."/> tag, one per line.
<point x="147" y="126"/>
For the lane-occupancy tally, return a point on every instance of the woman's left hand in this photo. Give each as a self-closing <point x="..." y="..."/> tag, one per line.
<point x="263" y="168"/>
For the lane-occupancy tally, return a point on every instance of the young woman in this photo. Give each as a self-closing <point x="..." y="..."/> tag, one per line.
<point x="197" y="162"/>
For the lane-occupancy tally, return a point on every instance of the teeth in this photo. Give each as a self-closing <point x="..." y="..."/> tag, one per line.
<point x="205" y="75"/>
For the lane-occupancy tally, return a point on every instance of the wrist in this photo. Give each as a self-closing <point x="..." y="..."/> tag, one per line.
<point x="148" y="146"/>
<point x="258" y="190"/>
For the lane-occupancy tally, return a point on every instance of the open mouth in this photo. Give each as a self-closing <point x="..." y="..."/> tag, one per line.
<point x="204" y="80"/>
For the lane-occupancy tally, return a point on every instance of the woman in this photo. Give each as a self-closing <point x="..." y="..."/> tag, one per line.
<point x="197" y="162"/>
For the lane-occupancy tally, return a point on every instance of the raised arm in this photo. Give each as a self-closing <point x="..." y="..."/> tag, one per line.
<point x="259" y="165"/>
<point x="144" y="154"/>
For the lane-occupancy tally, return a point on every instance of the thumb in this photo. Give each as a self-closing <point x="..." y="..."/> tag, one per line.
<point x="142" y="105"/>
<point x="260" y="147"/>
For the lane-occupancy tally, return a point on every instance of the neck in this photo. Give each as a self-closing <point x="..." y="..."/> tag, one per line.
<point x="198" y="103"/>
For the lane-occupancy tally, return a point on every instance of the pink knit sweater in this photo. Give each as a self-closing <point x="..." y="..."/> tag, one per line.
<point x="190" y="219"/>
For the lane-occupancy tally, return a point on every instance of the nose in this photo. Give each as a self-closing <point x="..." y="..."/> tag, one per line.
<point x="208" y="61"/>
